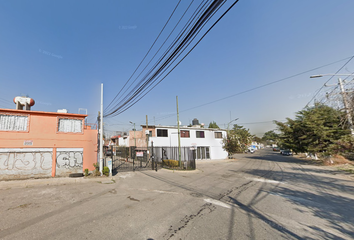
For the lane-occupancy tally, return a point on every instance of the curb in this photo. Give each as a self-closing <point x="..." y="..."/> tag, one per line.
<point x="50" y="182"/>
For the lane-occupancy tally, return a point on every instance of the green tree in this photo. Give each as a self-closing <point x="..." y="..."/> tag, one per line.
<point x="237" y="140"/>
<point x="314" y="130"/>
<point x="270" y="137"/>
<point x="213" y="125"/>
<point x="257" y="139"/>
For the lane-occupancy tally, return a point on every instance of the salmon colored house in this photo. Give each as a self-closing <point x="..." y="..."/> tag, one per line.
<point x="44" y="144"/>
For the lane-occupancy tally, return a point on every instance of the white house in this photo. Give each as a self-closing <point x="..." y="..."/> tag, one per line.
<point x="206" y="141"/>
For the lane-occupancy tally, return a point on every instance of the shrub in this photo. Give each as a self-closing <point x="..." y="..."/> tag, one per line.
<point x="105" y="171"/>
<point x="97" y="171"/>
<point x="86" y="172"/>
<point x="170" y="163"/>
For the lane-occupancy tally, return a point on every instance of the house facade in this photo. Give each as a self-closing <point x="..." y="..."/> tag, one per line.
<point x="43" y="144"/>
<point x="206" y="141"/>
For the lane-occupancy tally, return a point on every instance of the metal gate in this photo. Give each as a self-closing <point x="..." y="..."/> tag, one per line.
<point x="131" y="159"/>
<point x="138" y="159"/>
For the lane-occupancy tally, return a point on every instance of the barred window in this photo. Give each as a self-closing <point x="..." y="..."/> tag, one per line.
<point x="13" y="122"/>
<point x="200" y="134"/>
<point x="218" y="134"/>
<point x="184" y="134"/>
<point x="162" y="133"/>
<point x="70" y="125"/>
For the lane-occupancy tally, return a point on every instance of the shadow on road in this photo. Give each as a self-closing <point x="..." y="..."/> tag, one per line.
<point x="325" y="195"/>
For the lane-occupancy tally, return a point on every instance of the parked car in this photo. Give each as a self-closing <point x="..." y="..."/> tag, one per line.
<point x="108" y="152"/>
<point x="276" y="149"/>
<point x="287" y="153"/>
<point x="251" y="150"/>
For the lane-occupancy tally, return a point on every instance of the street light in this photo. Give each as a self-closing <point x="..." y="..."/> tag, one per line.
<point x="345" y="101"/>
<point x="229" y="124"/>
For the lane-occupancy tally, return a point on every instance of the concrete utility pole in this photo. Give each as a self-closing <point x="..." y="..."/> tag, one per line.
<point x="179" y="135"/>
<point x="346" y="105"/>
<point x="101" y="132"/>
<point x="147" y="133"/>
<point x="344" y="95"/>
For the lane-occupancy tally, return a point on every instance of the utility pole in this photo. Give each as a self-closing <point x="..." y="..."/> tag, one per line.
<point x="101" y="132"/>
<point x="346" y="105"/>
<point x="179" y="135"/>
<point x="344" y="95"/>
<point x="134" y="160"/>
<point x="147" y="133"/>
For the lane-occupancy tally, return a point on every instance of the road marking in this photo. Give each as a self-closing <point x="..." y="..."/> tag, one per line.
<point x="159" y="191"/>
<point x="216" y="202"/>
<point x="266" y="180"/>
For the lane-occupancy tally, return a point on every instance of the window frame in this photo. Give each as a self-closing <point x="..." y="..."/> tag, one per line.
<point x="70" y="118"/>
<point x="217" y="133"/>
<point x="161" y="130"/>
<point x="184" y="135"/>
<point x="18" y="115"/>
<point x="196" y="134"/>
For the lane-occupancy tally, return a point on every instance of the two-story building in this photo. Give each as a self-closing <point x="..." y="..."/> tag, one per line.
<point x="43" y="144"/>
<point x="208" y="142"/>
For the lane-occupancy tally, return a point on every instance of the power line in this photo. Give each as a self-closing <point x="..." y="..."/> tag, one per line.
<point x="138" y="94"/>
<point x="146" y="53"/>
<point x="255" y="88"/>
<point x="265" y="85"/>
<point x="175" y="41"/>
<point x="329" y="80"/>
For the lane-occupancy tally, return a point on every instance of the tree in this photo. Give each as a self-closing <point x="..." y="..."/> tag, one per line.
<point x="315" y="129"/>
<point x="270" y="137"/>
<point x="213" y="125"/>
<point x="257" y="139"/>
<point x="237" y="140"/>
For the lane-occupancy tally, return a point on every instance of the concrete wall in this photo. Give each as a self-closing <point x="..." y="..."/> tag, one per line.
<point x="16" y="163"/>
<point x="42" y="133"/>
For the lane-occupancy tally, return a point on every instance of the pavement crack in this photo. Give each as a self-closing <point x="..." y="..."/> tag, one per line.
<point x="133" y="199"/>
<point x="205" y="209"/>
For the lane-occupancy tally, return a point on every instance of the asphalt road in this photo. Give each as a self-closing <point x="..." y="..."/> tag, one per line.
<point x="257" y="196"/>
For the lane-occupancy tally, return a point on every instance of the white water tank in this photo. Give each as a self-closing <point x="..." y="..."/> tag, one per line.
<point x="62" y="111"/>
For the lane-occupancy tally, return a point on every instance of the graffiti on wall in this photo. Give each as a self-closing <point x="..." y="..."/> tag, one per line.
<point x="69" y="160"/>
<point x="25" y="162"/>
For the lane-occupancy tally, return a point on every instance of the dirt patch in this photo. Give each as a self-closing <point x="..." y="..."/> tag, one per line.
<point x="349" y="168"/>
<point x="336" y="160"/>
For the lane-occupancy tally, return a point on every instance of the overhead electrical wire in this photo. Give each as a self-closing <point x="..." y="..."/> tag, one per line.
<point x="351" y="58"/>
<point x="201" y="6"/>
<point x="146" y="53"/>
<point x="149" y="84"/>
<point x="159" y="73"/>
<point x="165" y="53"/>
<point x="255" y="88"/>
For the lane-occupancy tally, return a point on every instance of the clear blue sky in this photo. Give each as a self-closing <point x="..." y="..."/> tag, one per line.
<point x="59" y="52"/>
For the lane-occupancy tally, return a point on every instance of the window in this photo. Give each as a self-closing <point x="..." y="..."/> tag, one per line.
<point x="184" y="134"/>
<point x="202" y="153"/>
<point x="13" y="122"/>
<point x="69" y="125"/>
<point x="218" y="134"/>
<point x="200" y="134"/>
<point x="150" y="133"/>
<point x="162" y="133"/>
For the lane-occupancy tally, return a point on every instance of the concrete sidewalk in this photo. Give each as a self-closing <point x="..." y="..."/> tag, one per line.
<point x="23" y="183"/>
<point x="52" y="181"/>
